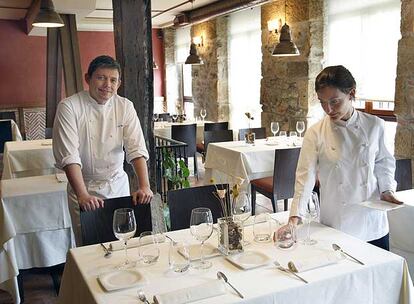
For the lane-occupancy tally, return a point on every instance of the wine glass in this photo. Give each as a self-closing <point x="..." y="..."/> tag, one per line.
<point x="174" y="117"/>
<point x="300" y="127"/>
<point x="274" y="127"/>
<point x="310" y="212"/>
<point x="203" y="113"/>
<point x="201" y="227"/>
<point x="242" y="210"/>
<point x="124" y="227"/>
<point x="155" y="116"/>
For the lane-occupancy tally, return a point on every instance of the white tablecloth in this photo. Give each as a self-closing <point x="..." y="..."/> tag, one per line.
<point x="401" y="229"/>
<point x="227" y="161"/>
<point x="28" y="158"/>
<point x="35" y="227"/>
<point x="16" y="135"/>
<point x="384" y="278"/>
<point x="164" y="129"/>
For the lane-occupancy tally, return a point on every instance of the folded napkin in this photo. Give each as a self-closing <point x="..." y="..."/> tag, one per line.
<point x="191" y="294"/>
<point x="132" y="243"/>
<point x="321" y="260"/>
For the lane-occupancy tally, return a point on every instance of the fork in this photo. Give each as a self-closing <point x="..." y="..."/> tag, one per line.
<point x="281" y="268"/>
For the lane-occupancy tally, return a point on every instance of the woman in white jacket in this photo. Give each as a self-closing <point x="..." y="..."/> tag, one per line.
<point x="346" y="150"/>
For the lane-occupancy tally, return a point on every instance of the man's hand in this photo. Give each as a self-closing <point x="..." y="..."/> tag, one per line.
<point x="142" y="196"/>
<point x="89" y="202"/>
<point x="388" y="196"/>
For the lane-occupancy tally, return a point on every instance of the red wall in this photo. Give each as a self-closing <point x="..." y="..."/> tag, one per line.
<point x="23" y="62"/>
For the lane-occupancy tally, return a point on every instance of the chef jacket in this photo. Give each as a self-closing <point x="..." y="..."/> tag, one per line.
<point x="353" y="165"/>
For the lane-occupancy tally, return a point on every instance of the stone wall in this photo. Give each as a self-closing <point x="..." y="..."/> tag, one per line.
<point x="287" y="82"/>
<point x="172" y="73"/>
<point x="404" y="89"/>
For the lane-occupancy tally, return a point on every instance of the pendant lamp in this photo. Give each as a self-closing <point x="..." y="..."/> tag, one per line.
<point x="47" y="16"/>
<point x="193" y="58"/>
<point x="285" y="47"/>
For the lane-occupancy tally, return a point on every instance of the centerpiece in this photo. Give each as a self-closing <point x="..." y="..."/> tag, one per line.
<point x="249" y="137"/>
<point x="230" y="230"/>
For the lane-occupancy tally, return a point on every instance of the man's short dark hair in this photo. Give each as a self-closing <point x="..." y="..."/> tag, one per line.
<point x="103" y="61"/>
<point x="336" y="76"/>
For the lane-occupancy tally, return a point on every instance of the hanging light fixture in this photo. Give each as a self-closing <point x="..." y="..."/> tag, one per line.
<point x="47" y="16"/>
<point x="193" y="58"/>
<point x="285" y="47"/>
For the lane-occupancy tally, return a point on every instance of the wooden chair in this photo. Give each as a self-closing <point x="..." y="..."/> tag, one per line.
<point x="164" y="117"/>
<point x="282" y="184"/>
<point x="182" y="201"/>
<point x="259" y="133"/>
<point x="187" y="134"/>
<point x="5" y="133"/>
<point x="403" y="174"/>
<point x="217" y="136"/>
<point x="212" y="126"/>
<point x="96" y="226"/>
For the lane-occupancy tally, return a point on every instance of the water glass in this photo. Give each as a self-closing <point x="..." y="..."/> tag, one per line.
<point x="286" y="236"/>
<point x="262" y="228"/>
<point x="124" y="227"/>
<point x="179" y="257"/>
<point x="274" y="127"/>
<point x="148" y="248"/>
<point x="300" y="127"/>
<point x="283" y="135"/>
<point x="293" y="137"/>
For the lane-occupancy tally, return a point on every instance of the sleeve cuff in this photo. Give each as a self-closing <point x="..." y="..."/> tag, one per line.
<point x="68" y="160"/>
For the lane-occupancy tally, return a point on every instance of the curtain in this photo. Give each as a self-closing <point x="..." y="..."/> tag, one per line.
<point x="245" y="56"/>
<point x="363" y="35"/>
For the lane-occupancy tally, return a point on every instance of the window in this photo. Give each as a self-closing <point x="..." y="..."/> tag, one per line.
<point x="244" y="49"/>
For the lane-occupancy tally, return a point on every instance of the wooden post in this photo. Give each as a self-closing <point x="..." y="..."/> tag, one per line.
<point x="133" y="47"/>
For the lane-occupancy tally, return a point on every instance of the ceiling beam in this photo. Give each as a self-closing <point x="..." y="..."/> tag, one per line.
<point x="31" y="15"/>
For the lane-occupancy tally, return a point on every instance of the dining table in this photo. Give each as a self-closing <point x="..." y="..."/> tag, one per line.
<point x="35" y="226"/>
<point x="28" y="158"/>
<point x="163" y="128"/>
<point x="384" y="277"/>
<point x="228" y="162"/>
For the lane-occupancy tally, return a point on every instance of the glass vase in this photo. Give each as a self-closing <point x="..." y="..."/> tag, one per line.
<point x="230" y="240"/>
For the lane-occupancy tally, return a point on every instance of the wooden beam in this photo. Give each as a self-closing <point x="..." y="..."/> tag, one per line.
<point x="31" y="15"/>
<point x="133" y="47"/>
<point x="53" y="75"/>
<point x="70" y="55"/>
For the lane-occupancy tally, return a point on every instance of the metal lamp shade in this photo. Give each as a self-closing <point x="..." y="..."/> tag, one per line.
<point x="193" y="58"/>
<point x="285" y="47"/>
<point x="47" y="16"/>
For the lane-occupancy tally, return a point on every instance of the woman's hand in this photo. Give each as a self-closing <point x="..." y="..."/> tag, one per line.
<point x="389" y="196"/>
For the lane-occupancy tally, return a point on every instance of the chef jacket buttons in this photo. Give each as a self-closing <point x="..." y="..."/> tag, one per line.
<point x="337" y="166"/>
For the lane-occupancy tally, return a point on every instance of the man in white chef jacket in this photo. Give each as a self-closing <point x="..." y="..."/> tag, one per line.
<point x="346" y="149"/>
<point x="90" y="131"/>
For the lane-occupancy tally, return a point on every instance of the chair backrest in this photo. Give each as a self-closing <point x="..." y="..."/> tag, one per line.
<point x="186" y="133"/>
<point x="215" y="126"/>
<point x="403" y="174"/>
<point x="217" y="136"/>
<point x="5" y="133"/>
<point x="182" y="201"/>
<point x="259" y="133"/>
<point x="164" y="117"/>
<point x="48" y="133"/>
<point x="96" y="225"/>
<point x="286" y="161"/>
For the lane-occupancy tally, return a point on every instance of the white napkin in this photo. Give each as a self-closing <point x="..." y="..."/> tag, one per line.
<point x="132" y="243"/>
<point x="191" y="294"/>
<point x="321" y="260"/>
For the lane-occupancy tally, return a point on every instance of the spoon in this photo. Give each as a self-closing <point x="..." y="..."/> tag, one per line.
<point x="142" y="297"/>
<point x="336" y="247"/>
<point x="281" y="268"/>
<point x="221" y="275"/>
<point x="107" y="252"/>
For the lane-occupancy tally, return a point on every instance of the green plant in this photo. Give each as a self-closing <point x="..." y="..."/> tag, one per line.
<point x="176" y="173"/>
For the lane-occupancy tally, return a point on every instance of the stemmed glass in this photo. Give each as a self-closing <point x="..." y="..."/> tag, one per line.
<point x="310" y="213"/>
<point x="124" y="227"/>
<point x="242" y="210"/>
<point x="174" y="117"/>
<point x="201" y="227"/>
<point x="203" y="113"/>
<point x="274" y="127"/>
<point x="155" y="116"/>
<point x="300" y="127"/>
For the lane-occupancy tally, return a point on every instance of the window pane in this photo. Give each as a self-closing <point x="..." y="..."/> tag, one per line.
<point x="187" y="80"/>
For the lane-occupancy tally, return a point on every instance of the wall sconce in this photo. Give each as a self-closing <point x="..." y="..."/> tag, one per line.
<point x="198" y="40"/>
<point x="273" y="25"/>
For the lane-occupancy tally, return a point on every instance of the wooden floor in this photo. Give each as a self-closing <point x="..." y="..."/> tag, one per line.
<point x="38" y="285"/>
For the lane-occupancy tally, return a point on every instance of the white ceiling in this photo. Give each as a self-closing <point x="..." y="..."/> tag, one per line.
<point x="96" y="15"/>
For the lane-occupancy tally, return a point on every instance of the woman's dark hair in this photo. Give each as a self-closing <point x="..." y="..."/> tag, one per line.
<point x="103" y="61"/>
<point x="335" y="76"/>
